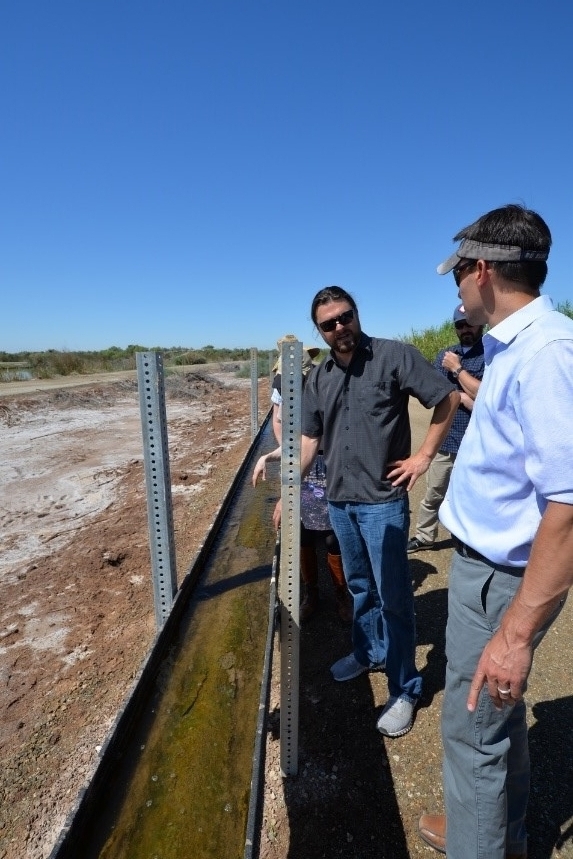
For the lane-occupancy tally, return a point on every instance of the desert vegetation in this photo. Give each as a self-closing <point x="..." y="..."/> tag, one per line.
<point x="53" y="362"/>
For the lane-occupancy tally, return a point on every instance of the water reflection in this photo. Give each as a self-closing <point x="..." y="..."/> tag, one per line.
<point x="15" y="375"/>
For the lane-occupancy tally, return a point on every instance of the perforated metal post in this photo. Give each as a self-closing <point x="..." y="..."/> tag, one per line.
<point x="254" y="393"/>
<point x="151" y="385"/>
<point x="289" y="578"/>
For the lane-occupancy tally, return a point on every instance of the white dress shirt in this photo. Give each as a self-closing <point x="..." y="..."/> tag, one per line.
<point x="517" y="452"/>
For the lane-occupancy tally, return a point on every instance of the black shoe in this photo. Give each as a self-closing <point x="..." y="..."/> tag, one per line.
<point x="414" y="545"/>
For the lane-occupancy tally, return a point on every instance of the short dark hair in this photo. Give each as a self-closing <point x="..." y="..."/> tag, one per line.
<point x="513" y="225"/>
<point x="328" y="294"/>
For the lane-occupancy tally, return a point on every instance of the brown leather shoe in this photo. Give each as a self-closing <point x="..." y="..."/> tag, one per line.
<point x="432" y="830"/>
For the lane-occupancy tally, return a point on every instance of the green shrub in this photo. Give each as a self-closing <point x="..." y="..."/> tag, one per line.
<point x="66" y="363"/>
<point x="262" y="367"/>
<point x="430" y="341"/>
<point x="188" y="358"/>
<point x="567" y="308"/>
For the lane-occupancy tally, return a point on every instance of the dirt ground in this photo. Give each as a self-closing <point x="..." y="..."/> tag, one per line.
<point x="359" y="795"/>
<point x="77" y="617"/>
<point x="77" y="620"/>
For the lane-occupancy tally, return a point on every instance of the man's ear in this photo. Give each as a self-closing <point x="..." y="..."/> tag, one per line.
<point x="482" y="272"/>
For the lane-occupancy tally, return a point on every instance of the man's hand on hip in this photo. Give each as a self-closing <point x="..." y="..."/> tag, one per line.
<point x="408" y="470"/>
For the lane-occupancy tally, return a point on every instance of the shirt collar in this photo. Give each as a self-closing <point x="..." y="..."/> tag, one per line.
<point x="508" y="329"/>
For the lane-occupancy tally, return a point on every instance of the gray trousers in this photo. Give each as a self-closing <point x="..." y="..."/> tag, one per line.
<point x="486" y="755"/>
<point x="437" y="480"/>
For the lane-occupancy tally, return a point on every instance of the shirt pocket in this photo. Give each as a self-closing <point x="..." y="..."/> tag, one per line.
<point x="375" y="397"/>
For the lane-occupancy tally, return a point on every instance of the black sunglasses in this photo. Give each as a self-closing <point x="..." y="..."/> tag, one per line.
<point x="461" y="324"/>
<point x="343" y="319"/>
<point x="462" y="267"/>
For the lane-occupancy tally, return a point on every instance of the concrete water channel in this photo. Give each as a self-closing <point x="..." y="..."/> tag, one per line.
<point x="175" y="775"/>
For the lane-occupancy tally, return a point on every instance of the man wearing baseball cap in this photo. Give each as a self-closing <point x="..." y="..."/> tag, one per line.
<point x="463" y="365"/>
<point x="509" y="508"/>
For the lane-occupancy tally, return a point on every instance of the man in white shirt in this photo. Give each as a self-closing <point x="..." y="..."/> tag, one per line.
<point x="509" y="508"/>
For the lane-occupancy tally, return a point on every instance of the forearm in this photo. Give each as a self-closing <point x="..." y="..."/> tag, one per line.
<point x="439" y="425"/>
<point x="469" y="383"/>
<point x="277" y="423"/>
<point x="309" y="447"/>
<point x="451" y="362"/>
<point x="260" y="469"/>
<point x="406" y="471"/>
<point x="548" y="576"/>
<point x="274" y="454"/>
<point x="466" y="401"/>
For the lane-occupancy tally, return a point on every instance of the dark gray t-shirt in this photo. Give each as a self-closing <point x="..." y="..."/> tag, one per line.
<point x="361" y="413"/>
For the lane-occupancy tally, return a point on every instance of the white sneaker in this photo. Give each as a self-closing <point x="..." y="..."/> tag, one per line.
<point x="396" y="717"/>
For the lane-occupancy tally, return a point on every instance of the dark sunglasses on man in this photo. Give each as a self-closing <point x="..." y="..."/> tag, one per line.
<point x="469" y="263"/>
<point x="330" y="324"/>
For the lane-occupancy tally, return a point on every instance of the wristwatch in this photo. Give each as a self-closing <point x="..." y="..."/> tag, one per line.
<point x="456" y="373"/>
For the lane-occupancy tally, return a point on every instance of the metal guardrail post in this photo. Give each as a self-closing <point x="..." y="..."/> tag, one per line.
<point x="254" y="393"/>
<point x="150" y="380"/>
<point x="289" y="579"/>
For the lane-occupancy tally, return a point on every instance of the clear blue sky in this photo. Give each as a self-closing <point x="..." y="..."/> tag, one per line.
<point x="175" y="172"/>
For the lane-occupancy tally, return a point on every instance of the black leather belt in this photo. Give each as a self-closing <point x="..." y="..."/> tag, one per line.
<point x="467" y="552"/>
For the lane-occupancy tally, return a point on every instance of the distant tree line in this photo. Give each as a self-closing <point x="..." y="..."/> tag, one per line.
<point x="55" y="362"/>
<point x="63" y="362"/>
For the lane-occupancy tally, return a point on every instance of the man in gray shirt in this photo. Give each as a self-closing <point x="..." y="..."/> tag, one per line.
<point x="355" y="407"/>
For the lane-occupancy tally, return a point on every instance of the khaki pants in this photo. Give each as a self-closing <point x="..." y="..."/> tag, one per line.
<point x="437" y="480"/>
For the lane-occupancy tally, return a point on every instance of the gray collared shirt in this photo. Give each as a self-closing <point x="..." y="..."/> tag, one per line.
<point x="361" y="413"/>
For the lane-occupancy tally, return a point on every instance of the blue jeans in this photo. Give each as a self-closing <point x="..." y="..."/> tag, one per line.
<point x="372" y="541"/>
<point x="486" y="755"/>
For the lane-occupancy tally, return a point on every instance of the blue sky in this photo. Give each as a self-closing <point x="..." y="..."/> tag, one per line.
<point x="175" y="172"/>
